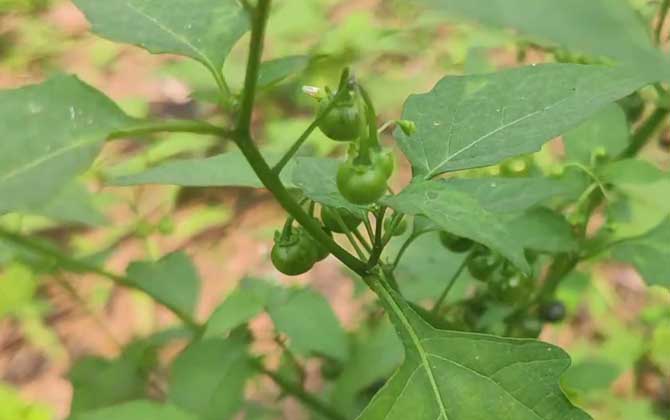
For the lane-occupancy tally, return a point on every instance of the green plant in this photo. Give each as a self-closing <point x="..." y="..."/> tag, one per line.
<point x="457" y="355"/>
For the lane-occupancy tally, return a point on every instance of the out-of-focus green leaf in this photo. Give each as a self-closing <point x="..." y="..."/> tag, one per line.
<point x="17" y="288"/>
<point x="73" y="204"/>
<point x="99" y="382"/>
<point x="172" y="281"/>
<point x="649" y="254"/>
<point x="13" y="407"/>
<point x="137" y="410"/>
<point x="51" y="133"/>
<point x="208" y="378"/>
<point x="607" y="131"/>
<point x="590" y="375"/>
<point x="274" y="71"/>
<point x="542" y="229"/>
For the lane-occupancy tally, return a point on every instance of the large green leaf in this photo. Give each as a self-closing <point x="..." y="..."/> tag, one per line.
<point x="459" y="213"/>
<point x="239" y="307"/>
<point x="209" y="377"/>
<point x="450" y="375"/>
<point x="72" y="204"/>
<point x="172" y="281"/>
<point x="225" y="170"/>
<point x="649" y="254"/>
<point x="137" y="410"/>
<point x="598" y="27"/>
<point x="608" y="131"/>
<point x="472" y="121"/>
<point x="50" y="133"/>
<point x="205" y="30"/>
<point x="505" y="195"/>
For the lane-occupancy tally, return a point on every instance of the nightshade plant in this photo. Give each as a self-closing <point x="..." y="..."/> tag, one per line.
<point x="519" y="234"/>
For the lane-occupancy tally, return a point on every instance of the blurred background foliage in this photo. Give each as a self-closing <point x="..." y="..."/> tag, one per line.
<point x="618" y="331"/>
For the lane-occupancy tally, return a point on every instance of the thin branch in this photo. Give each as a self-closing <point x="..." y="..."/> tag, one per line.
<point x="141" y="128"/>
<point x="449" y="285"/>
<point x="75" y="265"/>
<point x="663" y="13"/>
<point x="299" y="393"/>
<point x="378" y="244"/>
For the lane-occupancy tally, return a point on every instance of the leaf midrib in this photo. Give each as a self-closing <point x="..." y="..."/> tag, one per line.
<point x="416" y="341"/>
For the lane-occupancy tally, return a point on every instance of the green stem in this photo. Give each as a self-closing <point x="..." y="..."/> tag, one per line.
<point x="299" y="393"/>
<point x="645" y="131"/>
<point x="72" y="264"/>
<point x="141" y="128"/>
<point x="305" y="135"/>
<point x="246" y="145"/>
<point x="377" y="244"/>
<point x="663" y="13"/>
<point x="404" y="248"/>
<point x="347" y="233"/>
<point x="449" y="285"/>
<point x="362" y="240"/>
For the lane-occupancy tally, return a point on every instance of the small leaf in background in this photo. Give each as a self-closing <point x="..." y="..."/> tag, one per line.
<point x="225" y="170"/>
<point x="274" y="71"/>
<point x="590" y="375"/>
<point x="18" y="285"/>
<point x="544" y="230"/>
<point x="51" y="132"/>
<point x="472" y="121"/>
<point x="99" y="382"/>
<point x="137" y="410"/>
<point x="206" y="30"/>
<point x="462" y="376"/>
<point x="607" y="130"/>
<point x="659" y="348"/>
<point x="208" y="378"/>
<point x="308" y="320"/>
<point x="641" y="203"/>
<point x="238" y="308"/>
<point x="375" y="353"/>
<point x="460" y="214"/>
<point x="13" y="407"/>
<point x="316" y="177"/>
<point x="173" y="281"/>
<point x="601" y="27"/>
<point x="426" y="267"/>
<point x="649" y="254"/>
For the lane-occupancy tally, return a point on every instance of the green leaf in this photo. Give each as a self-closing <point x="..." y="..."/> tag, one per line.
<point x="460" y="214"/>
<point x="18" y="285"/>
<point x="137" y="410"/>
<point x="590" y="375"/>
<point x="649" y="254"/>
<point x="274" y="71"/>
<point x="224" y="170"/>
<point x="376" y="353"/>
<point x="544" y="230"/>
<point x="51" y="133"/>
<point x="642" y="197"/>
<point x="238" y="308"/>
<point x="607" y="130"/>
<point x="599" y="27"/>
<point x="206" y="30"/>
<point x="308" y="320"/>
<point x="209" y="377"/>
<point x="507" y="195"/>
<point x="172" y="281"/>
<point x="317" y="178"/>
<point x="426" y="267"/>
<point x="13" y="407"/>
<point x="471" y="121"/>
<point x="72" y="204"/>
<point x="463" y="376"/>
<point x="99" y="382"/>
